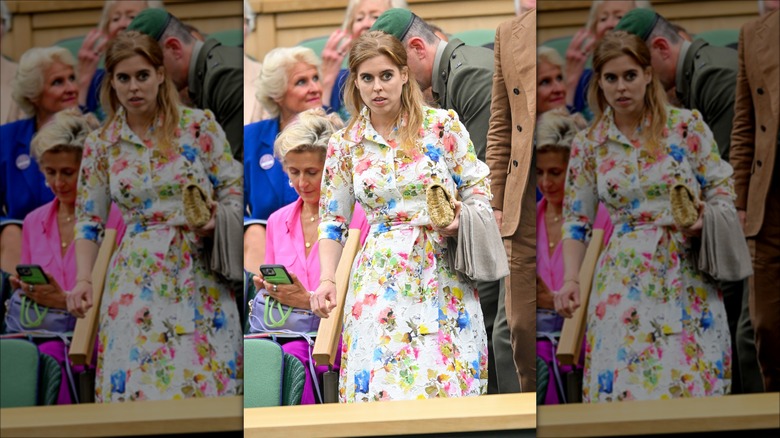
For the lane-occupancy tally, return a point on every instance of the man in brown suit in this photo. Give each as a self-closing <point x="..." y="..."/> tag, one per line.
<point x="510" y="158"/>
<point x="755" y="141"/>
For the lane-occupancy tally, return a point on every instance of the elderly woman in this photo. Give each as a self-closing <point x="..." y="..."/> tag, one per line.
<point x="550" y="86"/>
<point x="360" y="16"/>
<point x="116" y="16"/>
<point x="45" y="83"/>
<point x="292" y="230"/>
<point x="288" y="84"/>
<point x="604" y="16"/>
<point x="48" y="230"/>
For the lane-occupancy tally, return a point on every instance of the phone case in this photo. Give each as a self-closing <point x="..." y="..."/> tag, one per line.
<point x="275" y="274"/>
<point x="31" y="274"/>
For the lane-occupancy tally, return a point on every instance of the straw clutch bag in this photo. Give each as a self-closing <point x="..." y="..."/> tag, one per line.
<point x="684" y="209"/>
<point x="196" y="206"/>
<point x="440" y="206"/>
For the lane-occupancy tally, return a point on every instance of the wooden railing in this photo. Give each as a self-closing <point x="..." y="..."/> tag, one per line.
<point x="125" y="419"/>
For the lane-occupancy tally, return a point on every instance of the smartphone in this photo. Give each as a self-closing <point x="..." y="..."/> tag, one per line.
<point x="275" y="274"/>
<point x="31" y="274"/>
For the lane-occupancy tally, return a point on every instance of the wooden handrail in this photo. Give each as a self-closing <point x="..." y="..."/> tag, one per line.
<point x="568" y="351"/>
<point x="83" y="343"/>
<point x="329" y="332"/>
<point x="195" y="415"/>
<point x="688" y="415"/>
<point x="466" y="414"/>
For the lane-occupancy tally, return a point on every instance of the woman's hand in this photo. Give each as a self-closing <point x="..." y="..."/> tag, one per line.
<point x="451" y="230"/>
<point x="80" y="298"/>
<point x="333" y="54"/>
<point x="293" y="295"/>
<point x="544" y="298"/>
<point x="49" y="295"/>
<point x="323" y="300"/>
<point x="577" y="55"/>
<point x="567" y="300"/>
<point x="208" y="229"/>
<point x="695" y="229"/>
<point x="89" y="58"/>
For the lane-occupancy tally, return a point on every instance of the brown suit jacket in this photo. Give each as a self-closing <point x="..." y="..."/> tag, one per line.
<point x="756" y="117"/>
<point x="512" y="116"/>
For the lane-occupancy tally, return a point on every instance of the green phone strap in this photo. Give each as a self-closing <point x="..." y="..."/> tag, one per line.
<point x="24" y="317"/>
<point x="268" y="317"/>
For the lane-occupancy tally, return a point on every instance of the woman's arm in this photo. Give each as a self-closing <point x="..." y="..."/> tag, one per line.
<point x="324" y="298"/>
<point x="80" y="298"/>
<point x="567" y="300"/>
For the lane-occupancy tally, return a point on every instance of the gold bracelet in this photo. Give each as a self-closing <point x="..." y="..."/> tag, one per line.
<point x="88" y="281"/>
<point x="327" y="279"/>
<point x="571" y="279"/>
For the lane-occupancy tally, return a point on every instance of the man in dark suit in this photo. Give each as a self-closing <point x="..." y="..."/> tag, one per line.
<point x="212" y="73"/>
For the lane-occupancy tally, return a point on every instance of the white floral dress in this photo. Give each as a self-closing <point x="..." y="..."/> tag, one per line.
<point x="412" y="329"/>
<point x="656" y="326"/>
<point x="169" y="328"/>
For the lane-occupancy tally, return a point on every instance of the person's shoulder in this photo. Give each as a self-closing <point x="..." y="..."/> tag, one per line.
<point x="439" y="114"/>
<point x="221" y="56"/>
<point x="38" y="214"/>
<point x="261" y="128"/>
<point x="470" y="57"/>
<point x="20" y="125"/>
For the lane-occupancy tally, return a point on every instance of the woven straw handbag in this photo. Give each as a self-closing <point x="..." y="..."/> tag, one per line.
<point x="196" y="206"/>
<point x="441" y="209"/>
<point x="684" y="206"/>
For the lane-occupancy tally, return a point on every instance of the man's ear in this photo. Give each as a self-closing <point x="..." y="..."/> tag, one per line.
<point x="417" y="46"/>
<point x="661" y="46"/>
<point x="174" y="46"/>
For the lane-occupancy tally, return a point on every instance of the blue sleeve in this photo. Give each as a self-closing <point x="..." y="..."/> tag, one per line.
<point x="93" y="97"/>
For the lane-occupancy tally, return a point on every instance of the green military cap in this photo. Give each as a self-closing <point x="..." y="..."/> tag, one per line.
<point x="151" y="21"/>
<point x="638" y="21"/>
<point x="396" y="22"/>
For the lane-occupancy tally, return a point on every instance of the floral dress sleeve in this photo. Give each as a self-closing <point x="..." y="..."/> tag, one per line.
<point x="93" y="202"/>
<point x="469" y="173"/>
<point x="337" y="200"/>
<point x="580" y="200"/>
<point x="224" y="172"/>
<point x="712" y="173"/>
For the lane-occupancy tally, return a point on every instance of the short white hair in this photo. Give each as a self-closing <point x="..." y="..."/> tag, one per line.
<point x="272" y="82"/>
<point x="105" y="18"/>
<point x="66" y="132"/>
<point x="310" y="132"/>
<point x="591" y="24"/>
<point x="249" y="16"/>
<point x="28" y="83"/>
<point x="349" y="16"/>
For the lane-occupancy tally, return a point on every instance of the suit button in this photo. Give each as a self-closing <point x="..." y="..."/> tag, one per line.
<point x="763" y="128"/>
<point x="760" y="91"/>
<point x="514" y="163"/>
<point x="519" y="128"/>
<point x="758" y="163"/>
<point x="516" y="91"/>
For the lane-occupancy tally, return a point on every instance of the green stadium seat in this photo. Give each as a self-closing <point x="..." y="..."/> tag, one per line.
<point x="476" y="37"/>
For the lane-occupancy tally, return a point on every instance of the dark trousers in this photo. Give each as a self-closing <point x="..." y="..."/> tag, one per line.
<point x="521" y="289"/>
<point x="765" y="289"/>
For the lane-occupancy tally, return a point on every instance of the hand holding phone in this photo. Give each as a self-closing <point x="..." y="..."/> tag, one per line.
<point x="275" y="274"/>
<point x="32" y="274"/>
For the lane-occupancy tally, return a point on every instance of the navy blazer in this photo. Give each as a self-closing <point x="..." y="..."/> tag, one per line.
<point x="266" y="188"/>
<point x="22" y="184"/>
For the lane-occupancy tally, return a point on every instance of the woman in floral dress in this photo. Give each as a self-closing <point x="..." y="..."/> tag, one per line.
<point x="656" y="326"/>
<point x="412" y="329"/>
<point x="169" y="328"/>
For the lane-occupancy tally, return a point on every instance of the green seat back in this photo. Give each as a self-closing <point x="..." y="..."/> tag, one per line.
<point x="294" y="379"/>
<point x="263" y="373"/>
<point x="19" y="365"/>
<point x="720" y="37"/>
<point x="542" y="380"/>
<point x="230" y="37"/>
<point x="476" y="37"/>
<point x="50" y="380"/>
<point x="317" y="44"/>
<point x="560" y="45"/>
